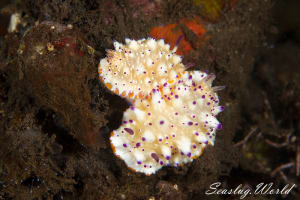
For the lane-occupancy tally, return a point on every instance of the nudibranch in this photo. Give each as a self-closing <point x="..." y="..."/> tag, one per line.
<point x="134" y="69"/>
<point x="173" y="120"/>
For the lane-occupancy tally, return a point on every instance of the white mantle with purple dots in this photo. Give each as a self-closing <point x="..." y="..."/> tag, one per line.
<point x="173" y="120"/>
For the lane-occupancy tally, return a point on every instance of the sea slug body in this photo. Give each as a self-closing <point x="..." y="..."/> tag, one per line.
<point x="168" y="124"/>
<point x="134" y="69"/>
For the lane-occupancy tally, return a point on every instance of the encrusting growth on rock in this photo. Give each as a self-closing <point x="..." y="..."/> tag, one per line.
<point x="173" y="113"/>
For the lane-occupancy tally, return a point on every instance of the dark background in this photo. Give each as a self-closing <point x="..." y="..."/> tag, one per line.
<point x="56" y="116"/>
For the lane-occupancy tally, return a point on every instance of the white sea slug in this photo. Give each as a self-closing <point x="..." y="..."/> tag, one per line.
<point x="169" y="129"/>
<point x="173" y="113"/>
<point x="133" y="70"/>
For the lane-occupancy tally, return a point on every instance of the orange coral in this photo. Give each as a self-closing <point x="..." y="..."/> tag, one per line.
<point x="174" y="35"/>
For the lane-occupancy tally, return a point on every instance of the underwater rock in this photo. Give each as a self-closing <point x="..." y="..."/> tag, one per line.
<point x="55" y="61"/>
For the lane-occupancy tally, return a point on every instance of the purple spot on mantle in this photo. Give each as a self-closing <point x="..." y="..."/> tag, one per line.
<point x="161" y="122"/>
<point x="219" y="127"/>
<point x="143" y="138"/>
<point x="138" y="144"/>
<point x="129" y="130"/>
<point x="155" y="157"/>
<point x="190" y="123"/>
<point x="124" y="145"/>
<point x="189" y="154"/>
<point x="139" y="162"/>
<point x="168" y="157"/>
